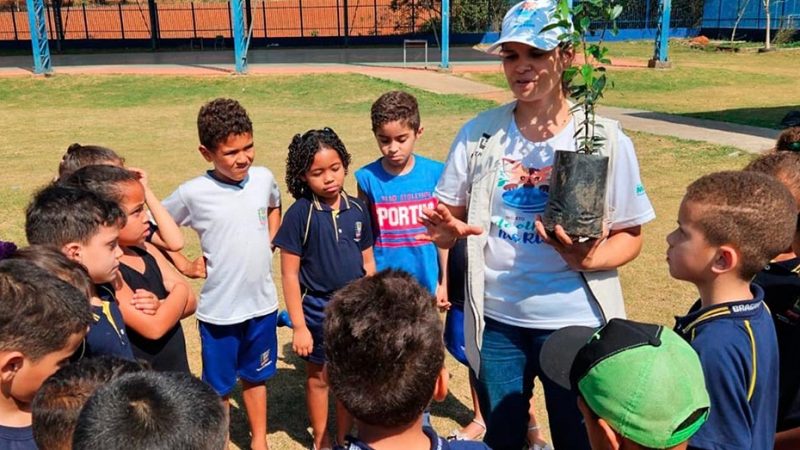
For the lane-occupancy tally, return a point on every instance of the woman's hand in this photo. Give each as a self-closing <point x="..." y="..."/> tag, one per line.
<point x="579" y="255"/>
<point x="443" y="228"/>
<point x="302" y="342"/>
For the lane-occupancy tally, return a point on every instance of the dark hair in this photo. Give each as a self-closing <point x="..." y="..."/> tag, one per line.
<point x="789" y="140"/>
<point x="395" y="106"/>
<point x="59" y="401"/>
<point x="38" y="312"/>
<point x="153" y="411"/>
<point x="56" y="263"/>
<point x="301" y="155"/>
<point x="752" y="211"/>
<point x="105" y="181"/>
<point x="785" y="166"/>
<point x="58" y="215"/>
<point x="219" y="119"/>
<point x="78" y="156"/>
<point x="384" y="349"/>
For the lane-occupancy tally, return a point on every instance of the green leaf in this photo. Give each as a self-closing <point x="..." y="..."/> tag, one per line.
<point x="587" y="70"/>
<point x="585" y="23"/>
<point x="616" y="12"/>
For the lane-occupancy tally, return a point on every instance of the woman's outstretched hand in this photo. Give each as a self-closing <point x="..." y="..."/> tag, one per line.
<point x="443" y="228"/>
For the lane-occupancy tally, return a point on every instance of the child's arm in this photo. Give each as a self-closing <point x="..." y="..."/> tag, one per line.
<point x="172" y="278"/>
<point x="273" y="222"/>
<point x="788" y="440"/>
<point x="168" y="236"/>
<point x="156" y="325"/>
<point x="442" y="301"/>
<point x="191" y="269"/>
<point x="369" y="261"/>
<point x="302" y="342"/>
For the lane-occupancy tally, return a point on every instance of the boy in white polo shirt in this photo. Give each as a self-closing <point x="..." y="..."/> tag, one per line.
<point x="235" y="208"/>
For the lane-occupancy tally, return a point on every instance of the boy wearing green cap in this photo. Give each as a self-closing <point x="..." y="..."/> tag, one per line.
<point x="639" y="386"/>
<point x="730" y="225"/>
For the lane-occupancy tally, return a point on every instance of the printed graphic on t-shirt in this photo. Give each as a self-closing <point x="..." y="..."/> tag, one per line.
<point x="525" y="194"/>
<point x="397" y="218"/>
<point x="262" y="216"/>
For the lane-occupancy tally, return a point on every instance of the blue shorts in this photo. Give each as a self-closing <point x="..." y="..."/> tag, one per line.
<point x="314" y="313"/>
<point x="246" y="350"/>
<point x="454" y="333"/>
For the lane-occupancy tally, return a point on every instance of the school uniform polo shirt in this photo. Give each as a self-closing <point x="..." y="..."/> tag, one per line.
<point x="781" y="284"/>
<point x="437" y="443"/>
<point x="329" y="242"/>
<point x="739" y="353"/>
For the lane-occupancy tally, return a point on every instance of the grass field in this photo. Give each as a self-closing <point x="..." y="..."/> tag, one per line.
<point x="747" y="87"/>
<point x="151" y="121"/>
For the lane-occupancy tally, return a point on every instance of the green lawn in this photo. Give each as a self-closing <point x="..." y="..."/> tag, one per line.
<point x="747" y="87"/>
<point x="151" y="121"/>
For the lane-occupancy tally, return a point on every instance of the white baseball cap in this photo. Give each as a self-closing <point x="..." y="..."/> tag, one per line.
<point x="524" y="22"/>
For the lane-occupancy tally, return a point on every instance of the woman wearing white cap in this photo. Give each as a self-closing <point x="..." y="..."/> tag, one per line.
<point x="522" y="285"/>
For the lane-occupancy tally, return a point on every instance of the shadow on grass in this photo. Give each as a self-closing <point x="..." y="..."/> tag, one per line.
<point x="767" y="118"/>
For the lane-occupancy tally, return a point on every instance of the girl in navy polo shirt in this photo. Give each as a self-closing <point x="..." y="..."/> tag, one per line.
<point x="326" y="242"/>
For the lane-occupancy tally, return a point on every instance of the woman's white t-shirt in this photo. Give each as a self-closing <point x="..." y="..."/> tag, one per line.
<point x="527" y="283"/>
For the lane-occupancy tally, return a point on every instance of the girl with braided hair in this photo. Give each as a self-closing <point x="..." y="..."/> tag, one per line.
<point x="326" y="242"/>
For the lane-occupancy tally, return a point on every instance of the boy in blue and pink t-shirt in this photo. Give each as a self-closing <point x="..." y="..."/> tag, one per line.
<point x="396" y="187"/>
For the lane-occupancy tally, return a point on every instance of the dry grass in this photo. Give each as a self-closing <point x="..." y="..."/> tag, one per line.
<point x="150" y="120"/>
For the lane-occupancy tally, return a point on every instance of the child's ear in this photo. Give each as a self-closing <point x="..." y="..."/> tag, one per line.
<point x="419" y="131"/>
<point x="613" y="439"/>
<point x="72" y="250"/>
<point x="10" y="363"/>
<point x="205" y="152"/>
<point x="440" y="389"/>
<point x="726" y="260"/>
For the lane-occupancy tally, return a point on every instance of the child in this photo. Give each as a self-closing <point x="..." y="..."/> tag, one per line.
<point x="235" y="208"/>
<point x="789" y="140"/>
<point x="42" y="322"/>
<point x="639" y="385"/>
<point x="152" y="411"/>
<point x="145" y="274"/>
<point x="730" y="225"/>
<point x="59" y="401"/>
<point x="781" y="285"/>
<point x="385" y="361"/>
<point x="85" y="228"/>
<point x="396" y="187"/>
<point x="164" y="232"/>
<point x="325" y="242"/>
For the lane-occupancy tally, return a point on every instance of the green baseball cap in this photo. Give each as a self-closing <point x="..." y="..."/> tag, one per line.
<point x="643" y="379"/>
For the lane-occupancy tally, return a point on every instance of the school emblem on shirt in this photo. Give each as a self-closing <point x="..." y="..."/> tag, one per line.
<point x="265" y="361"/>
<point x="359" y="227"/>
<point x="262" y="215"/>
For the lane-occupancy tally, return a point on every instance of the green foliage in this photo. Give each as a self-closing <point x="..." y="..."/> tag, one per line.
<point x="587" y="82"/>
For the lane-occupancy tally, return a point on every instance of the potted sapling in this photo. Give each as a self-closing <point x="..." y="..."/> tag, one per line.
<point x="578" y="181"/>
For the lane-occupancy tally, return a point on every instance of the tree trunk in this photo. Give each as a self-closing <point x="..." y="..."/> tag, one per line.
<point x="768" y="39"/>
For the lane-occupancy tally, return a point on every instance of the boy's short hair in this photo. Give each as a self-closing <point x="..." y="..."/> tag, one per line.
<point x="38" y="312"/>
<point x="105" y="181"/>
<point x="752" y="211"/>
<point x="78" y="156"/>
<point x="643" y="379"/>
<point x="789" y="140"/>
<point x="58" y="402"/>
<point x="219" y="119"/>
<point x="56" y="263"/>
<point x="384" y="348"/>
<point x="58" y="215"/>
<point x="153" y="410"/>
<point x="785" y="166"/>
<point x="395" y="106"/>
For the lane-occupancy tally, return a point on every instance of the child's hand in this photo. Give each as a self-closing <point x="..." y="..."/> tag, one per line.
<point x="142" y="175"/>
<point x="145" y="301"/>
<point x="441" y="298"/>
<point x="302" y="342"/>
<point x="195" y="269"/>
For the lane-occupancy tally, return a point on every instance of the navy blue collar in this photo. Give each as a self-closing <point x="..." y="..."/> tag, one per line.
<point x="239" y="184"/>
<point x="319" y="205"/>
<point x="437" y="443"/>
<point x="744" y="309"/>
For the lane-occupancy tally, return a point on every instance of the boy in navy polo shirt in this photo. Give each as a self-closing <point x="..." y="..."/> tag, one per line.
<point x="730" y="224"/>
<point x="396" y="187"/>
<point x="386" y="362"/>
<point x="235" y="209"/>
<point x="781" y="285"/>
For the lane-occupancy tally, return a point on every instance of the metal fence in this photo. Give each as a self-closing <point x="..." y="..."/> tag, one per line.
<point x="302" y="18"/>
<point x="723" y="14"/>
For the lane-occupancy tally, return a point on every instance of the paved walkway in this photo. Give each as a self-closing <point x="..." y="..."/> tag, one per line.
<point x="373" y="62"/>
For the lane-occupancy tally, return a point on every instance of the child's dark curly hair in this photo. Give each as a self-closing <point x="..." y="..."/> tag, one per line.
<point x="219" y="119"/>
<point x="789" y="140"/>
<point x="301" y="156"/>
<point x="395" y="106"/>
